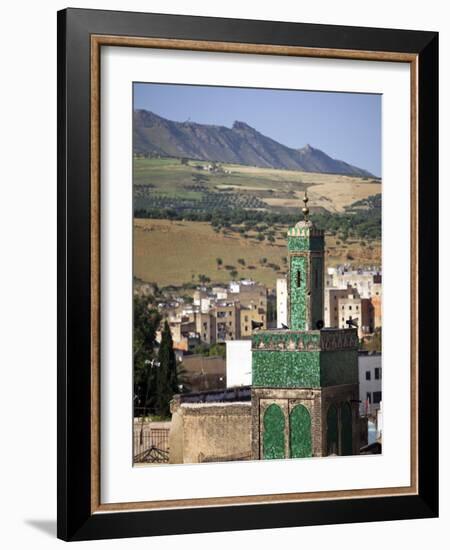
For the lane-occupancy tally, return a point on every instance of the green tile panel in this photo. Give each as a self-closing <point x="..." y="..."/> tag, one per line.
<point x="298" y="292"/>
<point x="286" y="369"/>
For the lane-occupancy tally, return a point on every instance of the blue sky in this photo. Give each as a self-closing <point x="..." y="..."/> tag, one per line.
<point x="345" y="126"/>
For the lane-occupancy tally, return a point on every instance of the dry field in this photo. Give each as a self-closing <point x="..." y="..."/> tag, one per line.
<point x="173" y="252"/>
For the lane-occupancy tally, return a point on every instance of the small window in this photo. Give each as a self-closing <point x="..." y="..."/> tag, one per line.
<point x="350" y="308"/>
<point x="376" y="396"/>
<point x="377" y="373"/>
<point x="299" y="278"/>
<point x="357" y="307"/>
<point x="368" y="377"/>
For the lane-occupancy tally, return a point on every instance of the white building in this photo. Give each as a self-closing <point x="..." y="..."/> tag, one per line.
<point x="282" y="295"/>
<point x="239" y="363"/>
<point x="370" y="385"/>
<point x="365" y="282"/>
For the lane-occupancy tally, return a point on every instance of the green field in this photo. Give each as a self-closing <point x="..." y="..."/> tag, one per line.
<point x="170" y="183"/>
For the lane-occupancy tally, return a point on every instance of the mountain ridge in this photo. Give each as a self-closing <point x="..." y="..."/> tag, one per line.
<point x="240" y="144"/>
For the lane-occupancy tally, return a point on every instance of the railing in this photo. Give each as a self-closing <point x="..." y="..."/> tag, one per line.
<point x="151" y="445"/>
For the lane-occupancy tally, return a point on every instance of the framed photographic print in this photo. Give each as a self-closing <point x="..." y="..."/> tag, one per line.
<point x="247" y="274"/>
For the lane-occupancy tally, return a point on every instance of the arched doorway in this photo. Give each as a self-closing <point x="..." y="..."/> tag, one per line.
<point x="346" y="429"/>
<point x="300" y="432"/>
<point x="273" y="437"/>
<point x="332" y="431"/>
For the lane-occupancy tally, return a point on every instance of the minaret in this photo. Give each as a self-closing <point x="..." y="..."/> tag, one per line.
<point x="306" y="274"/>
<point x="305" y="378"/>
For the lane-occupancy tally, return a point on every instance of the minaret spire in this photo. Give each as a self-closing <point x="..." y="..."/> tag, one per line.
<point x="306" y="273"/>
<point x="305" y="209"/>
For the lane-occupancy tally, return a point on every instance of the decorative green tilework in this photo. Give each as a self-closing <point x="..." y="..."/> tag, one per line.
<point x="286" y="340"/>
<point x="273" y="437"/>
<point x="346" y="430"/>
<point x="286" y="369"/>
<point x="303" y="244"/>
<point x="332" y="431"/>
<point x="300" y="432"/>
<point x="298" y="244"/>
<point x="297" y="292"/>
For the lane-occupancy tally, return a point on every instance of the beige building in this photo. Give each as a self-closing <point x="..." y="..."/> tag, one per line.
<point x="377" y="304"/>
<point x="364" y="282"/>
<point x="205" y="326"/>
<point x="357" y="309"/>
<point x="331" y="306"/>
<point x="227" y="321"/>
<point x="247" y="315"/>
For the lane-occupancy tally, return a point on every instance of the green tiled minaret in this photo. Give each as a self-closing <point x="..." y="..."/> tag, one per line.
<point x="306" y="273"/>
<point x="304" y="376"/>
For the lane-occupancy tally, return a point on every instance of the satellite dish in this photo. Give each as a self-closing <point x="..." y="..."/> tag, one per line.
<point x="320" y="324"/>
<point x="284" y="326"/>
<point x="256" y="325"/>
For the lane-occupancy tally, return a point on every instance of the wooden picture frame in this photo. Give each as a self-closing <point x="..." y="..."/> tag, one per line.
<point x="81" y="35"/>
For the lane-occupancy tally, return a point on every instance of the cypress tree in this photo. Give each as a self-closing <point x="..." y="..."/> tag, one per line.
<point x="146" y="321"/>
<point x="167" y="380"/>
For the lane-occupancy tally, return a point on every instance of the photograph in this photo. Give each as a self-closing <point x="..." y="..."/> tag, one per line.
<point x="257" y="274"/>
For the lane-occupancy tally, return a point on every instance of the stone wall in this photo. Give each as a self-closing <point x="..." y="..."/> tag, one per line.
<point x="215" y="432"/>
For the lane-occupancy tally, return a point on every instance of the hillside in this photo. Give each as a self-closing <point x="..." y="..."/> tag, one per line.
<point x="154" y="238"/>
<point x="154" y="135"/>
<point x="170" y="183"/>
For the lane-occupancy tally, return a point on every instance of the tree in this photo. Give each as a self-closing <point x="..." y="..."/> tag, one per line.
<point x="241" y="261"/>
<point x="218" y="349"/>
<point x="233" y="274"/>
<point x="219" y="262"/>
<point x="167" y="378"/>
<point x="271" y="239"/>
<point x="146" y="321"/>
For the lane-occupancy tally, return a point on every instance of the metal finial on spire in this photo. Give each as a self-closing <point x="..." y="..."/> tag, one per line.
<point x="305" y="209"/>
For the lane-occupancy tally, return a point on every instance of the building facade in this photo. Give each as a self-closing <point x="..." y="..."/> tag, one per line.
<point x="370" y="383"/>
